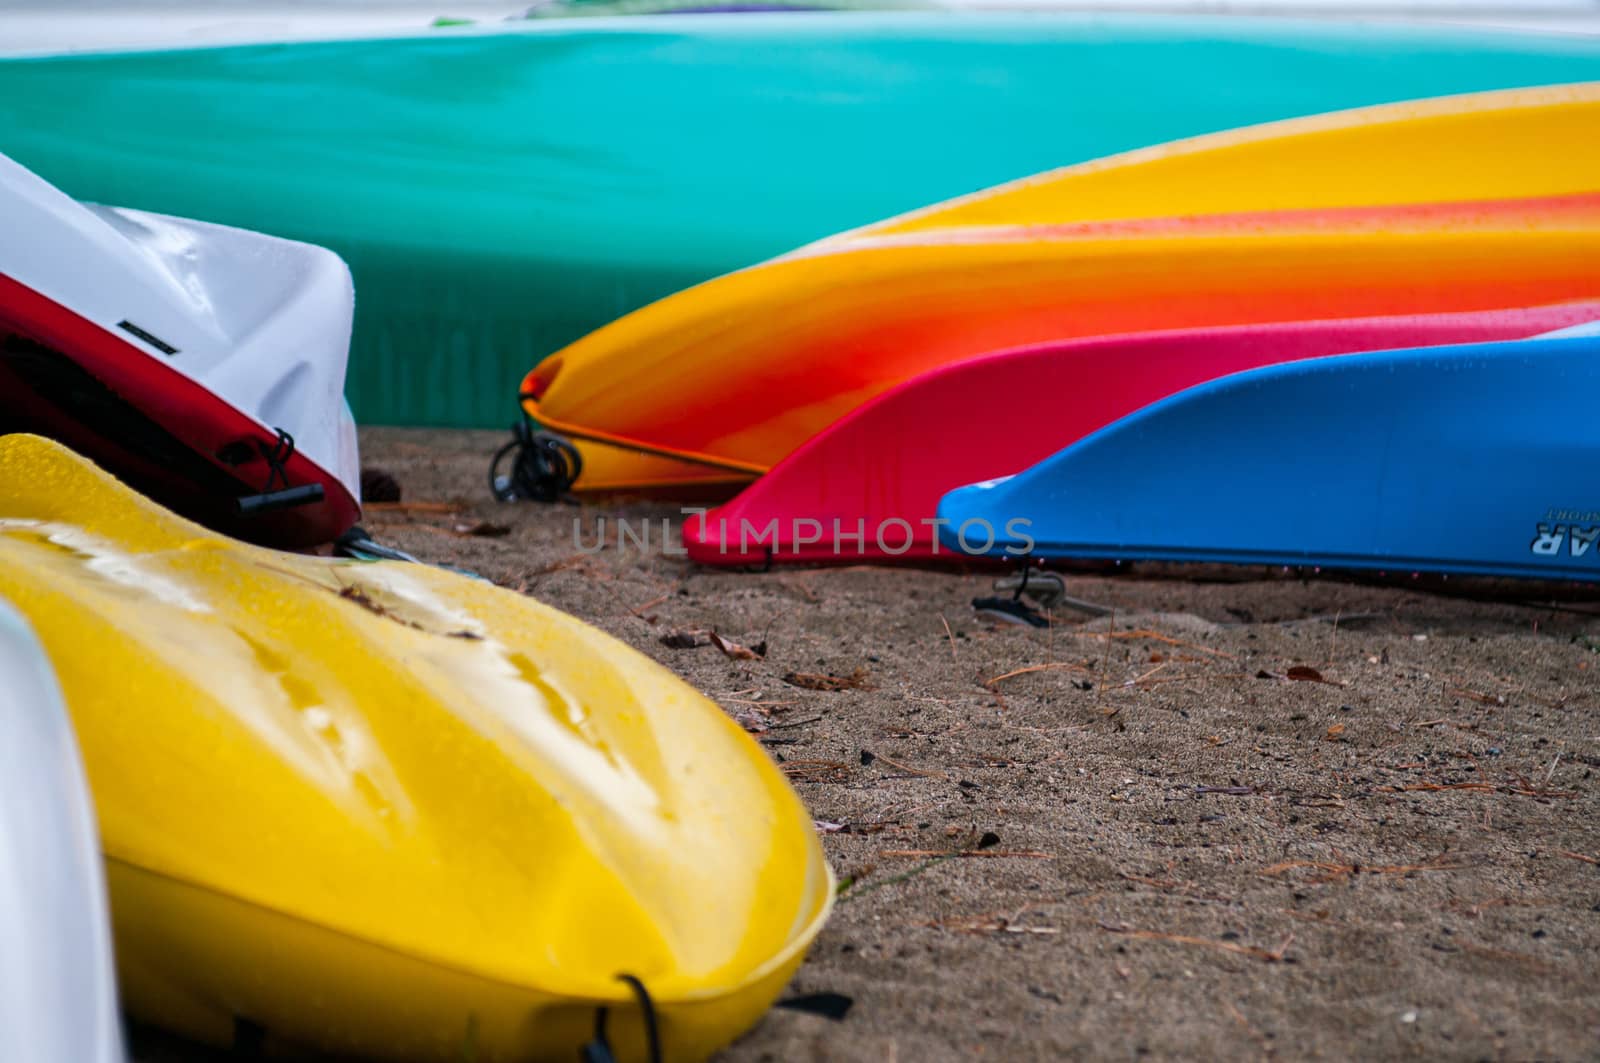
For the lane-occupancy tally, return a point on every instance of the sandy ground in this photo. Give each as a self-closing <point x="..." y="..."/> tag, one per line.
<point x="1131" y="835"/>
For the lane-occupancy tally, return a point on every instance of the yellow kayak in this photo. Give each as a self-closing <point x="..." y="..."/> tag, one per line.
<point x="1469" y="203"/>
<point x="1486" y="145"/>
<point x="385" y="810"/>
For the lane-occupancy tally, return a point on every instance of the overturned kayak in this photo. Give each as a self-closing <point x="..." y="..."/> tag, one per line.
<point x="58" y="999"/>
<point x="868" y="486"/>
<point x="720" y="382"/>
<point x="1475" y="459"/>
<point x="500" y="191"/>
<point x="202" y="363"/>
<point x="388" y="811"/>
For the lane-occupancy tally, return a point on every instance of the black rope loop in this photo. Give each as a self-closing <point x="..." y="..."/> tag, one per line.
<point x="544" y="468"/>
<point x="277" y="455"/>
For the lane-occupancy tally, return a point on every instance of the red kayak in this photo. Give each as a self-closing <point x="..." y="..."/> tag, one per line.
<point x="201" y="364"/>
<point x="867" y="488"/>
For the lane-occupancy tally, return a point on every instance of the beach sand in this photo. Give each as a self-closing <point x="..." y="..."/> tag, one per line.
<point x="1128" y="835"/>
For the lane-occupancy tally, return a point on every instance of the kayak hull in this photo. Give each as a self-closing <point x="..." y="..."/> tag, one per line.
<point x="1473" y="459"/>
<point x="499" y="192"/>
<point x="388" y="810"/>
<point x="867" y="488"/>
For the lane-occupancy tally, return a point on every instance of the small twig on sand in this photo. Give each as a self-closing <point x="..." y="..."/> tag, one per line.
<point x="1577" y="856"/>
<point x="1148" y="674"/>
<point x="792" y="723"/>
<point x="856" y="680"/>
<point x="949" y="635"/>
<point x="638" y="611"/>
<point x="1058" y="666"/>
<point x="909" y="770"/>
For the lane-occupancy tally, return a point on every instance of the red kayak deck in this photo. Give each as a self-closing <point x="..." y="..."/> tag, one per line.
<point x="867" y="488"/>
<point x="67" y="378"/>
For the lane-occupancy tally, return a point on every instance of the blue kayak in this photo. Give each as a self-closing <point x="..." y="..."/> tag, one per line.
<point x="1477" y="459"/>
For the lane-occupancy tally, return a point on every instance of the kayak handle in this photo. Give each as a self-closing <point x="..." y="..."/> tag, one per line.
<point x="272" y="501"/>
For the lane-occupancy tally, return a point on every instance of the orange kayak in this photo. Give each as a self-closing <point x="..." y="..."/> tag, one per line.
<point x="714" y="386"/>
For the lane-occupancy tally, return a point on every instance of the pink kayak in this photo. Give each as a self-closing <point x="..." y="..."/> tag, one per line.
<point x="867" y="487"/>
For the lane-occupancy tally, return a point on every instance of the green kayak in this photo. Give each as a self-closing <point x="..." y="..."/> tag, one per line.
<point x="499" y="191"/>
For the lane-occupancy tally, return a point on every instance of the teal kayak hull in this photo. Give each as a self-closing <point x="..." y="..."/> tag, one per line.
<point x="500" y="192"/>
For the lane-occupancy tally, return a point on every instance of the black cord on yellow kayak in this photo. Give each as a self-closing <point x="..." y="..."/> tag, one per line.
<point x="598" y="1050"/>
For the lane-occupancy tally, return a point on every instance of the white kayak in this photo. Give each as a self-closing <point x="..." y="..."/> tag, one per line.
<point x="57" y="987"/>
<point x="203" y="364"/>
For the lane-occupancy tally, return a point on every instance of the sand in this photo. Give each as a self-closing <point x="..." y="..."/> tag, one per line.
<point x="1144" y="840"/>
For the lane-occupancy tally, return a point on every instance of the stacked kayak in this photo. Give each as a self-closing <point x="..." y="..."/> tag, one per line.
<point x="1103" y="317"/>
<point x="202" y="363"/>
<point x="919" y="313"/>
<point x="372" y="809"/>
<point x="384" y="810"/>
<point x="1462" y="205"/>
<point x="501" y="190"/>
<point x="57" y="988"/>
